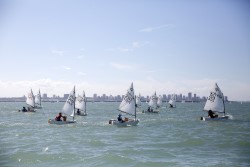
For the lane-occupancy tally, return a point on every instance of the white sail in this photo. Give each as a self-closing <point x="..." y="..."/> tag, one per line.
<point x="81" y="102"/>
<point x="159" y="101"/>
<point x="69" y="105"/>
<point x="138" y="100"/>
<point x="153" y="101"/>
<point x="30" y="99"/>
<point x="172" y="100"/>
<point x="128" y="102"/>
<point x="38" y="98"/>
<point x="215" y="101"/>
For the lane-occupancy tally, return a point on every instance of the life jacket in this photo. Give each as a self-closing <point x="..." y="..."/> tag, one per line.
<point x="58" y="118"/>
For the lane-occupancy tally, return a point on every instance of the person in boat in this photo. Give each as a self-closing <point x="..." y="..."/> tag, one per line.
<point x="211" y="114"/>
<point x="78" y="112"/>
<point x="59" y="117"/>
<point x="24" y="109"/>
<point x="119" y="118"/>
<point x="171" y="106"/>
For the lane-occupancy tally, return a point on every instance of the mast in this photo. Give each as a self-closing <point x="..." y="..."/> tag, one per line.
<point x="223" y="105"/>
<point x="74" y="104"/>
<point x="40" y="100"/>
<point x="85" y="100"/>
<point x="135" y="106"/>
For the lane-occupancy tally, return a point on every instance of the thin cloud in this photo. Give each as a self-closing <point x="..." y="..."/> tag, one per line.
<point x="139" y="44"/>
<point x="80" y="57"/>
<point x="120" y="66"/>
<point x="81" y="73"/>
<point x="119" y="49"/>
<point x="150" y="29"/>
<point x="57" y="52"/>
<point x="131" y="48"/>
<point x="66" y="68"/>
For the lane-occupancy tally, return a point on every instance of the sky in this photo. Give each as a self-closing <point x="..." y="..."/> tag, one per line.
<point x="167" y="46"/>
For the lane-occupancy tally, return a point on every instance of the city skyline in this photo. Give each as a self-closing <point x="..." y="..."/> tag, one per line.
<point x="103" y="46"/>
<point x="190" y="97"/>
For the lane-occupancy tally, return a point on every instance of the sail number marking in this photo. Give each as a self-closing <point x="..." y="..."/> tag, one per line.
<point x="71" y="100"/>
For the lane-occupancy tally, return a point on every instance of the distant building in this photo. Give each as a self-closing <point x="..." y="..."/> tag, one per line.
<point x="189" y="96"/>
<point x="65" y="96"/>
<point x="45" y="96"/>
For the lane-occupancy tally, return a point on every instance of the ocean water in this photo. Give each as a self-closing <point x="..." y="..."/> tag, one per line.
<point x="174" y="137"/>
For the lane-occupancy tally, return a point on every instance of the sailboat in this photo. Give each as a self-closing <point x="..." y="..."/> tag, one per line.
<point x="68" y="109"/>
<point x="127" y="106"/>
<point x="38" y="104"/>
<point x="138" y="102"/>
<point x="30" y="101"/>
<point x="215" y="103"/>
<point x="172" y="101"/>
<point x="152" y="104"/>
<point x="159" y="102"/>
<point x="80" y="105"/>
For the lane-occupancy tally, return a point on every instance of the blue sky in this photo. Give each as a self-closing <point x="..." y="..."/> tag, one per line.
<point x="102" y="46"/>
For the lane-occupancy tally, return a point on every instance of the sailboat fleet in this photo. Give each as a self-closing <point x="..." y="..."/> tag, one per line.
<point x="130" y="105"/>
<point x="154" y="104"/>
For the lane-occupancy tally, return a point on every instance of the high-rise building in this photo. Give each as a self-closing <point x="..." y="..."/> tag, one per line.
<point x="195" y="98"/>
<point x="189" y="96"/>
<point x="45" y="96"/>
<point x="95" y="97"/>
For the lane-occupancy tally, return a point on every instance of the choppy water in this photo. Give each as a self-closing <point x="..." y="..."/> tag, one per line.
<point x="174" y="137"/>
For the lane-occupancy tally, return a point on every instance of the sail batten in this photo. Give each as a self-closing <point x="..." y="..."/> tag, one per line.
<point x="215" y="100"/>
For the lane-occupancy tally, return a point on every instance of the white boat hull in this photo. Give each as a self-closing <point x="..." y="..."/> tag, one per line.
<point x="27" y="111"/>
<point x="38" y="107"/>
<point x="215" y="119"/>
<point x="154" y="111"/>
<point x="52" y="121"/>
<point x="81" y="114"/>
<point x="130" y="122"/>
<point x="172" y="106"/>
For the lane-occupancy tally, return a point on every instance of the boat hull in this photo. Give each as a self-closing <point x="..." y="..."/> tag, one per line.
<point x="130" y="122"/>
<point x="52" y="121"/>
<point x="27" y="111"/>
<point x="215" y="119"/>
<point x="154" y="111"/>
<point x="38" y="107"/>
<point x="81" y="114"/>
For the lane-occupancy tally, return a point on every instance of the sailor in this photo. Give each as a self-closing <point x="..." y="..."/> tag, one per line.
<point x="119" y="118"/>
<point x="78" y="112"/>
<point x="24" y="109"/>
<point x="171" y="106"/>
<point x="59" y="116"/>
<point x="211" y="114"/>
